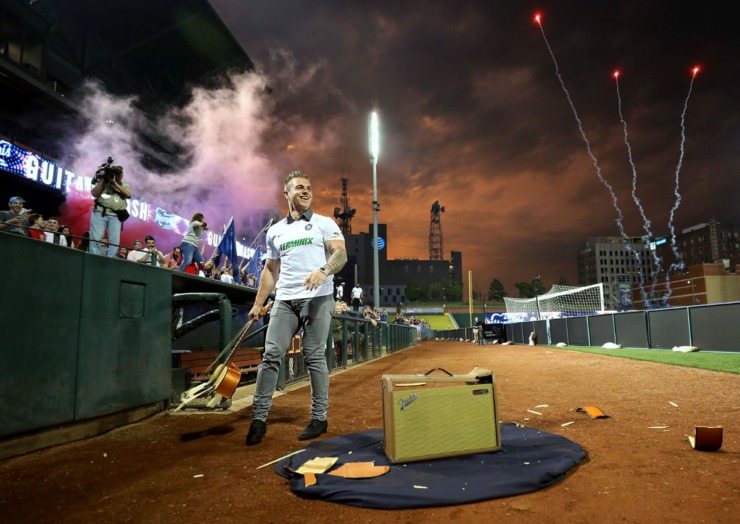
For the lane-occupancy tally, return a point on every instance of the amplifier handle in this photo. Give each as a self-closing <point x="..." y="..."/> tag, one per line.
<point x="437" y="369"/>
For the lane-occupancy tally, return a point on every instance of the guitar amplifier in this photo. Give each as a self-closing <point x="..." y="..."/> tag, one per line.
<point x="434" y="416"/>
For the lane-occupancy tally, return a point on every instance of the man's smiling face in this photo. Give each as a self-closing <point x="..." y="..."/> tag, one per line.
<point x="299" y="194"/>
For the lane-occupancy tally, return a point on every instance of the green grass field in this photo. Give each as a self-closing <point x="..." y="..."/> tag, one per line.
<point x="435" y="321"/>
<point x="726" y="362"/>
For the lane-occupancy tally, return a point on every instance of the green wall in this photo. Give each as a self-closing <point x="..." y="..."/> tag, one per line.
<point x="81" y="336"/>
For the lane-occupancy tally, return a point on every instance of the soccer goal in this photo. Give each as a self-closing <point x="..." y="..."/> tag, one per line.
<point x="561" y="301"/>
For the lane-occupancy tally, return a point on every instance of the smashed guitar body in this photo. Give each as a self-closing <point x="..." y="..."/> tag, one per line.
<point x="225" y="378"/>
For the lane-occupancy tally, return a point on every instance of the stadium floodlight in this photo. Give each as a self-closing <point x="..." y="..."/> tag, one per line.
<point x="374" y="139"/>
<point x="374" y="135"/>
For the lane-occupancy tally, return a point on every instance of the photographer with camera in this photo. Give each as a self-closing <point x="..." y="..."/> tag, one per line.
<point x="191" y="242"/>
<point x="109" y="211"/>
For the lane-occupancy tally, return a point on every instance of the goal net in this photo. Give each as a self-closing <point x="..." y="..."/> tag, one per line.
<point x="561" y="301"/>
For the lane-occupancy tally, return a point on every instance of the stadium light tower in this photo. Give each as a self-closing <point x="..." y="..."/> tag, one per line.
<point x="374" y="135"/>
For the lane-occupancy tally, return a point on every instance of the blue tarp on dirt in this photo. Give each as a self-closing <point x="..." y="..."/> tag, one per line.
<point x="529" y="460"/>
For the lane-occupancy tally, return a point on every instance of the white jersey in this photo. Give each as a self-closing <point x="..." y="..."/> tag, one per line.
<point x="300" y="246"/>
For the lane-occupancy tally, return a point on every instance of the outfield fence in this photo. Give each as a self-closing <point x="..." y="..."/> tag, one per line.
<point x="709" y="327"/>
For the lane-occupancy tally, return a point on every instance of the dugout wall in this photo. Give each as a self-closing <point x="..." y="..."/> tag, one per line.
<point x="84" y="336"/>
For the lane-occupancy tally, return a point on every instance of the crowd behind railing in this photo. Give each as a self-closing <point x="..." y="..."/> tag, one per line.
<point x="21" y="221"/>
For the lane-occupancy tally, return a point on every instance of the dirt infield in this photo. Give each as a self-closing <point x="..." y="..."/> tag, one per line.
<point x="195" y="468"/>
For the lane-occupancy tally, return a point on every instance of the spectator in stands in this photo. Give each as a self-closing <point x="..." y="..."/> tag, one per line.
<point x="67" y="232"/>
<point x="136" y="252"/>
<point x="384" y="315"/>
<point x="336" y="330"/>
<point x="207" y="269"/>
<point x="36" y="226"/>
<point x="367" y="314"/>
<point x="13" y="221"/>
<point x="110" y="193"/>
<point x="227" y="275"/>
<point x="53" y="234"/>
<point x="358" y="297"/>
<point x="151" y="255"/>
<point x="84" y="244"/>
<point x="191" y="241"/>
<point x="122" y="253"/>
<point x="173" y="259"/>
<point x="297" y="266"/>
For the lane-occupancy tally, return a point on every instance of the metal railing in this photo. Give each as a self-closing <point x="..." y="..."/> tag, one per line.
<point x="352" y="340"/>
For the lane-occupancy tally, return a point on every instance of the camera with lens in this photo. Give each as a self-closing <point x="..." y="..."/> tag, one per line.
<point x="107" y="171"/>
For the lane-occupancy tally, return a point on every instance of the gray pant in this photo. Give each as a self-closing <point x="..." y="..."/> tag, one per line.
<point x="287" y="316"/>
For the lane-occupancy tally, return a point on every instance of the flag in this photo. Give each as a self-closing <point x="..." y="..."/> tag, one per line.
<point x="255" y="265"/>
<point x="227" y="247"/>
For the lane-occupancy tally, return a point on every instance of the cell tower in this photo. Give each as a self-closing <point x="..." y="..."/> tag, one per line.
<point x="435" y="233"/>
<point x="344" y="214"/>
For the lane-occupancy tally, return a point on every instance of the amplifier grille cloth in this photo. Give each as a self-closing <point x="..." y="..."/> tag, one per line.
<point x="430" y="421"/>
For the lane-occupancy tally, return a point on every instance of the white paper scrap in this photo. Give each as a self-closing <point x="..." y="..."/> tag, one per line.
<point x="673" y="404"/>
<point x="420" y="487"/>
<point x="198" y="476"/>
<point x="535" y="412"/>
<point x="567" y="424"/>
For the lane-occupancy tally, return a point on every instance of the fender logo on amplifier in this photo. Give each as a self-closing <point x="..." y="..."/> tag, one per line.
<point x="404" y="402"/>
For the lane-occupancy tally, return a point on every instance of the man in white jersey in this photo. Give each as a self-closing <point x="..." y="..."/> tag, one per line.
<point x="358" y="297"/>
<point x="304" y="250"/>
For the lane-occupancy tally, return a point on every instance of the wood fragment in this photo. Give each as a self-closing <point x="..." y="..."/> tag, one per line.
<point x="281" y="458"/>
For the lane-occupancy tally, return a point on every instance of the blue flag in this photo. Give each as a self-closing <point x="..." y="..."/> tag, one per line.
<point x="255" y="264"/>
<point x="227" y="247"/>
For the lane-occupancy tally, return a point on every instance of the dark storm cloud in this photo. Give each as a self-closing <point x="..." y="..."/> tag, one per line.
<point x="473" y="115"/>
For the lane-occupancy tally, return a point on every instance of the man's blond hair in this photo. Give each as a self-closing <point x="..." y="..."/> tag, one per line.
<point x="295" y="174"/>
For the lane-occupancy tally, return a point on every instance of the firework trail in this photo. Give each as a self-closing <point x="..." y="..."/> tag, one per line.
<point x="620" y="217"/>
<point x="645" y="221"/>
<point x="678" y="265"/>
